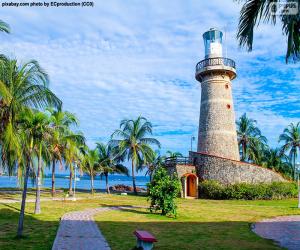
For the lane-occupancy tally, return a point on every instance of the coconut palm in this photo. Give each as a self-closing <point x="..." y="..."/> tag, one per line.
<point x="132" y="143"/>
<point x="72" y="153"/>
<point x="60" y="123"/>
<point x="255" y="11"/>
<point x="291" y="139"/>
<point x="38" y="126"/>
<point x="109" y="163"/>
<point x="22" y="87"/>
<point x="90" y="163"/>
<point x="4" y="27"/>
<point x="155" y="162"/>
<point x="274" y="159"/>
<point x="170" y="154"/>
<point x="250" y="140"/>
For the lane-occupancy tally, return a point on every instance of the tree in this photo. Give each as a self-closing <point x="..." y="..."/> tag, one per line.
<point x="22" y="87"/>
<point x="36" y="124"/>
<point x="291" y="139"/>
<point x="255" y="11"/>
<point x="90" y="164"/>
<point x="155" y="162"/>
<point x="132" y="142"/>
<point x="72" y="153"/>
<point x="250" y="140"/>
<point x="4" y="27"/>
<point x="60" y="123"/>
<point x="163" y="190"/>
<point x="170" y="154"/>
<point x="109" y="163"/>
<point x="274" y="159"/>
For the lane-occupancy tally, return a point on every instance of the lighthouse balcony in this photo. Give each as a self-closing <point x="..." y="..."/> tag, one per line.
<point x="209" y="65"/>
<point x="173" y="161"/>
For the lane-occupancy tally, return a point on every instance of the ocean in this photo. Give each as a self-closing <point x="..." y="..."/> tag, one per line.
<point x="62" y="181"/>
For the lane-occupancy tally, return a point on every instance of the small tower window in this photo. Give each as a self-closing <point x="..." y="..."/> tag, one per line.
<point x="226" y="86"/>
<point x="228" y="106"/>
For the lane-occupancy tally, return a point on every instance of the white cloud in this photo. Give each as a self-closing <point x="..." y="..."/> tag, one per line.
<point x="124" y="59"/>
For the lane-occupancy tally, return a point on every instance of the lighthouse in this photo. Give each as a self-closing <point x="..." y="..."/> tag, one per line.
<point x="217" y="131"/>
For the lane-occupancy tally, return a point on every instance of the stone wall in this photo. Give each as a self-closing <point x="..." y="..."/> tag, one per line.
<point x="227" y="171"/>
<point x="182" y="170"/>
<point x="217" y="130"/>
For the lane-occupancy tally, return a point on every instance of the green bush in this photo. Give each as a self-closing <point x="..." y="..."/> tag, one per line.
<point x="163" y="191"/>
<point x="275" y="190"/>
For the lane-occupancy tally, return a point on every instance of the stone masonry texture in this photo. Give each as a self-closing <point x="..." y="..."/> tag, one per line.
<point x="217" y="130"/>
<point x="227" y="171"/>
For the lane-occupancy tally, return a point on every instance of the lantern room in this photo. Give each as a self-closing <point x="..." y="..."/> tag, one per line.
<point x="213" y="43"/>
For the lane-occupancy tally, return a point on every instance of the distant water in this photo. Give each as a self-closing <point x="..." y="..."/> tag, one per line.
<point x="83" y="183"/>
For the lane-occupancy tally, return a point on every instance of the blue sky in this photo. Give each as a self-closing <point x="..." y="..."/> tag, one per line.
<point x="122" y="59"/>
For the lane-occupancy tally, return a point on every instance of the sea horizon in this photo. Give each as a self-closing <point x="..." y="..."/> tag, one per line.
<point x="62" y="181"/>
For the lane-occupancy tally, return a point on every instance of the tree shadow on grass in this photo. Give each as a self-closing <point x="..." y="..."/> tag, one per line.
<point x="186" y="235"/>
<point x="37" y="234"/>
<point x="171" y="234"/>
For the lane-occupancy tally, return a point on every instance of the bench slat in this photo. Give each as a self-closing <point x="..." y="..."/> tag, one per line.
<point x="145" y="236"/>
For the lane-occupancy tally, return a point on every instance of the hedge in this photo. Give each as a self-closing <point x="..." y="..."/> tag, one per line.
<point x="271" y="191"/>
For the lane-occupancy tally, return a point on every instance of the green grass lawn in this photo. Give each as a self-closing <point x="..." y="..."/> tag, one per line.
<point x="201" y="224"/>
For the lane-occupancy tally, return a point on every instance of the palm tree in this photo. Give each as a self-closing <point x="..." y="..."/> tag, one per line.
<point x="274" y="159"/>
<point x="4" y="27"/>
<point x="170" y="154"/>
<point x="72" y="153"/>
<point x="90" y="163"/>
<point x="109" y="163"/>
<point x="60" y="123"/>
<point x="37" y="124"/>
<point x="132" y="142"/>
<point x="254" y="11"/>
<point x="21" y="87"/>
<point x="250" y="140"/>
<point x="155" y="162"/>
<point x="291" y="140"/>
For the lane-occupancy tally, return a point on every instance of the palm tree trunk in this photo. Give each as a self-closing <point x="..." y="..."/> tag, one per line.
<point x="70" y="181"/>
<point x="37" y="209"/>
<point x="106" y="181"/>
<point x="22" y="211"/>
<point x="92" y="184"/>
<point x="133" y="178"/>
<point x="294" y="165"/>
<point x="53" y="179"/>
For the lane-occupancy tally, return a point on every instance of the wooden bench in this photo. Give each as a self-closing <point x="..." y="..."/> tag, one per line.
<point x="144" y="239"/>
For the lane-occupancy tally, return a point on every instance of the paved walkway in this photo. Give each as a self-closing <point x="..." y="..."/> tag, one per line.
<point x="78" y="231"/>
<point x="284" y="229"/>
<point x="15" y="200"/>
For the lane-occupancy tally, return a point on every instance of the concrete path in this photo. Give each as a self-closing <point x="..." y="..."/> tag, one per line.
<point x="78" y="231"/>
<point x="284" y="229"/>
<point x="15" y="200"/>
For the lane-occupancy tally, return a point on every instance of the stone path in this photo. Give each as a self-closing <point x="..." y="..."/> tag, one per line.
<point x="78" y="231"/>
<point x="284" y="229"/>
<point x="15" y="200"/>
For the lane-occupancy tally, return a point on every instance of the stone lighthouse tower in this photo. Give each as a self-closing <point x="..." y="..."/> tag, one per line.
<point x="217" y="130"/>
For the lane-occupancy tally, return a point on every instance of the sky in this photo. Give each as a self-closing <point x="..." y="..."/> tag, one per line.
<point x="121" y="59"/>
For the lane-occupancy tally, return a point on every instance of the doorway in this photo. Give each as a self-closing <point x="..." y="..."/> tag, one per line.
<point x="191" y="185"/>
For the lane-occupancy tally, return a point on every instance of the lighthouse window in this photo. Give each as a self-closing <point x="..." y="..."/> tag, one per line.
<point x="226" y="86"/>
<point x="228" y="106"/>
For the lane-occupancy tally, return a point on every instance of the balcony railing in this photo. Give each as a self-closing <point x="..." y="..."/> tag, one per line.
<point x="214" y="62"/>
<point x="172" y="161"/>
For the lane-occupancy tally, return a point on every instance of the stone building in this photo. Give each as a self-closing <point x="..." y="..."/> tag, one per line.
<point x="217" y="156"/>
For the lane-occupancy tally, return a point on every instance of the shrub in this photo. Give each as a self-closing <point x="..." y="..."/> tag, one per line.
<point x="275" y="190"/>
<point x="163" y="191"/>
<point x="211" y="190"/>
